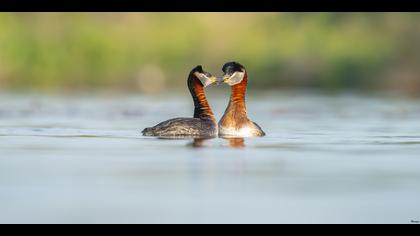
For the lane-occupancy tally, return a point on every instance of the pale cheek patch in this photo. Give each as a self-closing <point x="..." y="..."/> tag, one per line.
<point x="205" y="81"/>
<point x="236" y="78"/>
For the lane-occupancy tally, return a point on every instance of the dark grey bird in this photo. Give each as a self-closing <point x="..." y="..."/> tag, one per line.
<point x="203" y="124"/>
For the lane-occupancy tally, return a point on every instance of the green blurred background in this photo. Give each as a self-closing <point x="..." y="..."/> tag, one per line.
<point x="153" y="52"/>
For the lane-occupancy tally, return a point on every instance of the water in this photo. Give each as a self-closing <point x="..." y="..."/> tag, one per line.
<point x="340" y="159"/>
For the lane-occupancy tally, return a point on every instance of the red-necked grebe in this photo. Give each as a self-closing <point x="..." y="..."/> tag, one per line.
<point x="235" y="121"/>
<point x="203" y="124"/>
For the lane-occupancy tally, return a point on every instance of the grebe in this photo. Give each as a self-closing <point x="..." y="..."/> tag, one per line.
<point x="235" y="122"/>
<point x="203" y="124"/>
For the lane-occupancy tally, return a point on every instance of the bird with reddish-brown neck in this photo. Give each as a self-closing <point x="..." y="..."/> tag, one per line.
<point x="203" y="124"/>
<point x="235" y="121"/>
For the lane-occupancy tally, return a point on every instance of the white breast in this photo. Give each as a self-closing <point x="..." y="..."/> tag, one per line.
<point x="232" y="132"/>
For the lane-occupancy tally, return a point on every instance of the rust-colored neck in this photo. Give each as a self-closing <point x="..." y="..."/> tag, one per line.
<point x="238" y="97"/>
<point x="202" y="108"/>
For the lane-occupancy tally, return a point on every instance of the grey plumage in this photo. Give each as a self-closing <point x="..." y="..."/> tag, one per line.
<point x="183" y="128"/>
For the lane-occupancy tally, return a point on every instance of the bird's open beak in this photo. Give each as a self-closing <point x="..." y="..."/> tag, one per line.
<point x="210" y="81"/>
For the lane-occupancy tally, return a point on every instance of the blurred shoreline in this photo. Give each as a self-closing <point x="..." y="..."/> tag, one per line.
<point x="153" y="53"/>
<point x="213" y="93"/>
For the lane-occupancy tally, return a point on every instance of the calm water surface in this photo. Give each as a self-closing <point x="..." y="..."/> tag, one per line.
<point x="336" y="159"/>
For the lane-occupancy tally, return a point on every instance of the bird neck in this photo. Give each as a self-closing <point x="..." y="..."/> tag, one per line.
<point x="202" y="108"/>
<point x="237" y="101"/>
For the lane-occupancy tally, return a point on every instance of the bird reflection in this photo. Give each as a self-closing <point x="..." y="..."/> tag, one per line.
<point x="232" y="142"/>
<point x="236" y="142"/>
<point x="198" y="143"/>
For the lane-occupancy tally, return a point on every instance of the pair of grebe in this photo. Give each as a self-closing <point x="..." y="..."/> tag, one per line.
<point x="234" y="123"/>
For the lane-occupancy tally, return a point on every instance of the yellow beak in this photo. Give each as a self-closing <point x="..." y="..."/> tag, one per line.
<point x="209" y="81"/>
<point x="221" y="80"/>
